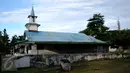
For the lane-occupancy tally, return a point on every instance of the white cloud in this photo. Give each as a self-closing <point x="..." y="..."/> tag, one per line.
<point x="17" y="16"/>
<point x="14" y="32"/>
<point x="88" y="2"/>
<point x="50" y="12"/>
<point x="64" y="15"/>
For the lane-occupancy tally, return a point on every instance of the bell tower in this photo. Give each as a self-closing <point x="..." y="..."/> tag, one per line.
<point x="32" y="25"/>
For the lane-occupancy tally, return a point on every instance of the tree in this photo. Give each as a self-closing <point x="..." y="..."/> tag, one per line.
<point x="15" y="39"/>
<point x="121" y="37"/>
<point x="4" y="42"/>
<point x="95" y="26"/>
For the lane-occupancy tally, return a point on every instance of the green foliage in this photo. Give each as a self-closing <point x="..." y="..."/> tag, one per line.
<point x="95" y="26"/>
<point x="4" y="42"/>
<point x="15" y="39"/>
<point x="116" y="37"/>
<point x="121" y="37"/>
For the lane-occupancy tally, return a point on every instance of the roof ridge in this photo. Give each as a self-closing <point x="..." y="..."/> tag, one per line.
<point x="58" y="32"/>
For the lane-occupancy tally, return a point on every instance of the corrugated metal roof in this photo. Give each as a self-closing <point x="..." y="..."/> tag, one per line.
<point x="43" y="36"/>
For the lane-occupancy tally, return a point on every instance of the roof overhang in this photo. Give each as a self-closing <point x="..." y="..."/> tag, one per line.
<point x="33" y="24"/>
<point x="57" y="42"/>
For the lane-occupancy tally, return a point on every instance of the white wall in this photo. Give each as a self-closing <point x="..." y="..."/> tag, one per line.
<point x="33" y="27"/>
<point x="112" y="49"/>
<point x="22" y="62"/>
<point x="41" y="52"/>
<point x="33" y="49"/>
<point x="30" y="20"/>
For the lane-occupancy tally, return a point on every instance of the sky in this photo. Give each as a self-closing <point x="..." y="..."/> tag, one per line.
<point x="62" y="15"/>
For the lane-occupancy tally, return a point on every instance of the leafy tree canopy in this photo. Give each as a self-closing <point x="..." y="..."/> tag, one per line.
<point x="16" y="39"/>
<point x="95" y="26"/>
<point x="117" y="37"/>
<point x="4" y="42"/>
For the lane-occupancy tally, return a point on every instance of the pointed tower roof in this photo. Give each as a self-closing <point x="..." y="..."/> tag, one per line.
<point x="32" y="14"/>
<point x="32" y="25"/>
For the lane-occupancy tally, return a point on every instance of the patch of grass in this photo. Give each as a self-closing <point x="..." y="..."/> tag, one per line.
<point x="97" y="66"/>
<point x="104" y="66"/>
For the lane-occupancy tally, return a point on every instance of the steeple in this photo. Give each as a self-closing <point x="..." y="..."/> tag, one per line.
<point x="32" y="17"/>
<point x="32" y="25"/>
<point x="32" y="12"/>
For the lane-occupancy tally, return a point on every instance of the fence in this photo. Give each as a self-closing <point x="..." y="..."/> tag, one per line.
<point x="53" y="59"/>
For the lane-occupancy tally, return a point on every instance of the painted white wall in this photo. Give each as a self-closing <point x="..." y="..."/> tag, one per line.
<point x="33" y="27"/>
<point x="22" y="62"/>
<point x="33" y="49"/>
<point x="30" y="20"/>
<point x="46" y="52"/>
<point x="112" y="49"/>
<point x="34" y="52"/>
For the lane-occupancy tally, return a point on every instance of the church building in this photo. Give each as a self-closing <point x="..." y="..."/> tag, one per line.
<point x="43" y="42"/>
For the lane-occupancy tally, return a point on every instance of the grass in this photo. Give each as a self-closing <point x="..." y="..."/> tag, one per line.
<point x="97" y="66"/>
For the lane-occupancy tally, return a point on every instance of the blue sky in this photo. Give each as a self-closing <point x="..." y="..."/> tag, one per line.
<point x="62" y="15"/>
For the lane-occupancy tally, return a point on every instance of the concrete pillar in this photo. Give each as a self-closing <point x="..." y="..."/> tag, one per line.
<point x="25" y="49"/>
<point x="33" y="49"/>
